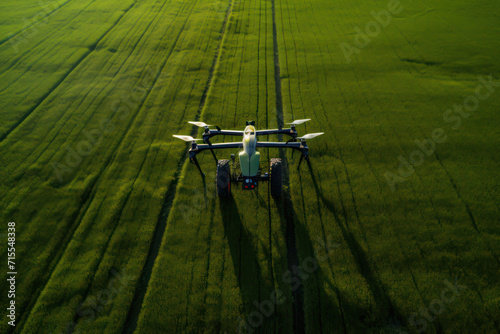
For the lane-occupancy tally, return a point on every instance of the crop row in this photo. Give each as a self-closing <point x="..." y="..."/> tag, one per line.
<point x="95" y="162"/>
<point x="229" y="256"/>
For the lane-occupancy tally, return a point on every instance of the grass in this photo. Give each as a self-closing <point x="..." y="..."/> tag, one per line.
<point x="129" y="236"/>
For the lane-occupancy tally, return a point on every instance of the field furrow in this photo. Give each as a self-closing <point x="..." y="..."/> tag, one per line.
<point x="390" y="226"/>
<point x="140" y="292"/>
<point x="29" y="13"/>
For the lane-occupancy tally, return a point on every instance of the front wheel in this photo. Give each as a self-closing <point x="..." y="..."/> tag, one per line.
<point x="223" y="178"/>
<point x="276" y="177"/>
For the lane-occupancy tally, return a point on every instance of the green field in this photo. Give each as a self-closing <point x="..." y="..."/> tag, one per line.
<point x="392" y="226"/>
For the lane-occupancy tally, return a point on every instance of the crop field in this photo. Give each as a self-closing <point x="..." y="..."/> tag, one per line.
<point x="391" y="226"/>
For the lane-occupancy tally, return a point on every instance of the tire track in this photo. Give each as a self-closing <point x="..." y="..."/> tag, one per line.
<point x="89" y="194"/>
<point x="319" y="197"/>
<point x="8" y="38"/>
<point x="87" y="198"/>
<point x="113" y="156"/>
<point x="318" y="191"/>
<point x="68" y="118"/>
<point x="111" y="159"/>
<point x="63" y="78"/>
<point x="373" y="277"/>
<point x="285" y="49"/>
<point x="381" y="183"/>
<point x="242" y="10"/>
<point x="269" y="199"/>
<point x="141" y="289"/>
<point x="103" y="96"/>
<point x="204" y="96"/>
<point x="438" y="159"/>
<point x="430" y="198"/>
<point x="292" y="255"/>
<point x="132" y="186"/>
<point x="32" y="51"/>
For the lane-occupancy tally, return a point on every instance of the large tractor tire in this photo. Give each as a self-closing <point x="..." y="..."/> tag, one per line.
<point x="276" y="177"/>
<point x="223" y="178"/>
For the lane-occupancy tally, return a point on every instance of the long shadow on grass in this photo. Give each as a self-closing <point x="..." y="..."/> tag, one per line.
<point x="328" y="314"/>
<point x="288" y="218"/>
<point x="247" y="269"/>
<point x="387" y="311"/>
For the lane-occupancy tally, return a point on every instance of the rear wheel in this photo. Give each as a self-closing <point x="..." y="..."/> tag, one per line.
<point x="223" y="178"/>
<point x="276" y="177"/>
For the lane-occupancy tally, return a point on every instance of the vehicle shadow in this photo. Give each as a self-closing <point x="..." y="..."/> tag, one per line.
<point x="300" y="252"/>
<point x="385" y="311"/>
<point x="253" y="287"/>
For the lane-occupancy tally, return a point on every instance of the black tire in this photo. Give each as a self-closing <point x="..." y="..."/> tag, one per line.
<point x="223" y="178"/>
<point x="275" y="170"/>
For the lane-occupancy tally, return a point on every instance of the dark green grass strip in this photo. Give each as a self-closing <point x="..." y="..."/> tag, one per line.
<point x="133" y="314"/>
<point x="140" y="293"/>
<point x="60" y="81"/>
<point x="101" y="172"/>
<point x="287" y="205"/>
<point x="8" y="38"/>
<point x="86" y="198"/>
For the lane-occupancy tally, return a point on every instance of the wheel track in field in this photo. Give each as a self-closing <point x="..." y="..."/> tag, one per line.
<point x="200" y="108"/>
<point x="87" y="199"/>
<point x="140" y="292"/>
<point x="393" y="311"/>
<point x="440" y="162"/>
<point x="299" y="86"/>
<point x="81" y="102"/>
<point x="372" y="276"/>
<point x="63" y="78"/>
<point x="285" y="49"/>
<point x="445" y="170"/>
<point x="105" y="248"/>
<point x="92" y="102"/>
<point x="108" y="160"/>
<point x="112" y="156"/>
<point x="97" y="96"/>
<point x="269" y="198"/>
<point x="411" y="65"/>
<point x="242" y="9"/>
<point x="311" y="252"/>
<point x="259" y="38"/>
<point x="290" y="238"/>
<point x="32" y="50"/>
<point x="8" y="38"/>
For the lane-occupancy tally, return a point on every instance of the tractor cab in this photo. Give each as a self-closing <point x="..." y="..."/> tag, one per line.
<point x="249" y="157"/>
